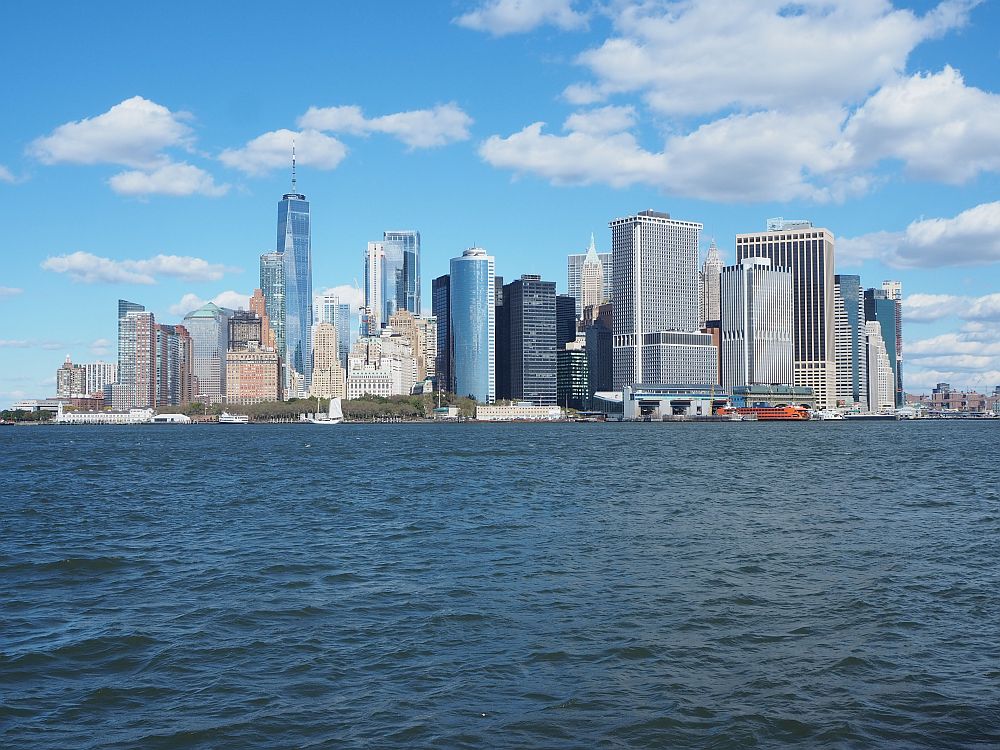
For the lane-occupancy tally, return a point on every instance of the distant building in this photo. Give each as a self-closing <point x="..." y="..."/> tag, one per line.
<point x="245" y="328"/>
<point x="329" y="309"/>
<point x="599" y="336"/>
<point x="407" y="290"/>
<point x="381" y="366"/>
<point x="209" y="330"/>
<point x="294" y="243"/>
<point x="473" y="324"/>
<point x="174" y="365"/>
<point x="572" y="386"/>
<point x="404" y="324"/>
<point x="71" y="380"/>
<point x="253" y="375"/>
<point x="575" y="270"/>
<point x="883" y="310"/>
<point x="945" y="399"/>
<point x="518" y="412"/>
<point x="565" y="320"/>
<point x="655" y="401"/>
<point x="441" y="307"/>
<point x="881" y="381"/>
<point x="272" y="284"/>
<point x="136" y="386"/>
<point x="808" y="252"/>
<point x="258" y="306"/>
<point x="708" y="286"/>
<point x="894" y="291"/>
<point x="850" y="336"/>
<point x="328" y="376"/>
<point x="526" y="341"/>
<point x="98" y="375"/>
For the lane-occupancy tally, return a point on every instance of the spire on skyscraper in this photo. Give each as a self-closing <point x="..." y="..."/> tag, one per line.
<point x="293" y="165"/>
<point x="592" y="251"/>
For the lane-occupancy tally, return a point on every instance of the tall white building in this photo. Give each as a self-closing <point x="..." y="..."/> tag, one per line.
<point x="756" y="315"/>
<point x="708" y="286"/>
<point x="575" y="267"/>
<point x="99" y="374"/>
<point x="655" y="302"/>
<point x="807" y="252"/>
<point x="894" y="290"/>
<point x="381" y="366"/>
<point x="849" y="337"/>
<point x="328" y="375"/>
<point x="329" y="309"/>
<point x="881" y="384"/>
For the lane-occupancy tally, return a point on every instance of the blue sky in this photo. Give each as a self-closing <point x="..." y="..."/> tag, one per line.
<point x="143" y="150"/>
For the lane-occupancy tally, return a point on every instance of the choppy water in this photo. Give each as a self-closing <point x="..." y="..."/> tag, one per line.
<point x="702" y="585"/>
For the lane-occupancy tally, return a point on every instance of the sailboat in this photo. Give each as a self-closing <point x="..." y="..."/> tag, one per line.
<point x="335" y="415"/>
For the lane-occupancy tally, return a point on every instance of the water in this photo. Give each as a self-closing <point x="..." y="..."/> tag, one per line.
<point x="676" y="586"/>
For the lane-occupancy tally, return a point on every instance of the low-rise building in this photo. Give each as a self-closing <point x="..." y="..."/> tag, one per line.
<point x="518" y="412"/>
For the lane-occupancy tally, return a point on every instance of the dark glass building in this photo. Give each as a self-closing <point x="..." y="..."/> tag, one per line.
<point x="294" y="243"/>
<point x="526" y="341"/>
<point x="600" y="352"/>
<point x="572" y="387"/>
<point x="881" y="308"/>
<point x="441" y="309"/>
<point x="565" y="320"/>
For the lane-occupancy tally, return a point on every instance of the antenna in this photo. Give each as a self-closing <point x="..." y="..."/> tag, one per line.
<point x="293" y="165"/>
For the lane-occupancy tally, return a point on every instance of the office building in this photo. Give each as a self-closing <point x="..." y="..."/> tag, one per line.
<point x="708" y="286"/>
<point x="879" y="307"/>
<point x="208" y="327"/>
<point x="572" y="381"/>
<point x="381" y="365"/>
<point x="565" y="320"/>
<point x="272" y="285"/>
<point x="294" y="243"/>
<point x="849" y="338"/>
<point x="526" y="341"/>
<point x="881" y="380"/>
<point x="808" y="253"/>
<point x="599" y="337"/>
<point x="329" y="309"/>
<point x="98" y="375"/>
<point x="328" y="375"/>
<point x="576" y="263"/>
<point x="441" y="307"/>
<point x="71" y="380"/>
<point x="407" y="290"/>
<point x="894" y="291"/>
<point x="258" y="306"/>
<point x="655" y="261"/>
<point x="173" y="365"/>
<point x="136" y="386"/>
<point x="472" y="324"/>
<point x="756" y="324"/>
<point x="245" y="328"/>
<point x="427" y="326"/>
<point x="404" y="324"/>
<point x="253" y="375"/>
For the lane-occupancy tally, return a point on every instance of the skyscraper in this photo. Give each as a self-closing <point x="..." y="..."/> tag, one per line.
<point x="881" y="382"/>
<point x="756" y="322"/>
<point x="894" y="290"/>
<point x="295" y="245"/>
<point x="328" y="375"/>
<point x="136" y="386"/>
<point x="258" y="306"/>
<point x="881" y="308"/>
<point x="807" y="252"/>
<point x="473" y="325"/>
<point x="174" y="366"/>
<point x="575" y="263"/>
<point x="408" y="288"/>
<point x="209" y="330"/>
<point x="272" y="285"/>
<point x="441" y="307"/>
<point x="526" y="341"/>
<point x="565" y="320"/>
<point x="708" y="286"/>
<point x="655" y="260"/>
<point x="849" y="336"/>
<point x="600" y="351"/>
<point x="329" y="309"/>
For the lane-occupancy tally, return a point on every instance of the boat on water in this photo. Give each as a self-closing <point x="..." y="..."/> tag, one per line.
<point x="335" y="414"/>
<point x="872" y="417"/>
<point x="227" y="418"/>
<point x="767" y="413"/>
<point x="824" y="415"/>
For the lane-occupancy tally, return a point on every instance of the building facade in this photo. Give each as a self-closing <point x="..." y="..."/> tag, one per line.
<point x="708" y="286"/>
<point x="575" y="263"/>
<point x="894" y="291"/>
<point x="472" y="325"/>
<point x="441" y="307"/>
<point x="329" y="309"/>
<point x="879" y="307"/>
<point x="136" y="386"/>
<point x="328" y="375"/>
<point x="808" y="253"/>
<point x="294" y="243"/>
<point x="881" y="382"/>
<point x="849" y="337"/>
<point x="208" y="327"/>
<point x="408" y="289"/>
<point x="253" y="375"/>
<point x="272" y="285"/>
<point x="572" y="381"/>
<point x="526" y="341"/>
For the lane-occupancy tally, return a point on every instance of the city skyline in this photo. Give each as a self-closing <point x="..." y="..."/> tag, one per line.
<point x="181" y="237"/>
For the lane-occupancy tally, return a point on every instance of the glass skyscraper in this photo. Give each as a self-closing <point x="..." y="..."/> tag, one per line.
<point x="441" y="307"/>
<point x="407" y="291"/>
<point x="526" y="341"/>
<point x="295" y="246"/>
<point x="473" y="325"/>
<point x="272" y="285"/>
<point x="209" y="330"/>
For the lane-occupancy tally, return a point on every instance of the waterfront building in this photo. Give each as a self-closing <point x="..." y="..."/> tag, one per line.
<point x="98" y="375"/>
<point x="253" y="375"/>
<point x="402" y="323"/>
<point x="245" y="328"/>
<point x="328" y="375"/>
<point x="894" y="291"/>
<point x="472" y="324"/>
<point x="808" y="253"/>
<point x="441" y="307"/>
<point x="655" y="401"/>
<point x="764" y="395"/>
<point x="576" y="266"/>
<point x="173" y="365"/>
<point x="126" y="417"/>
<point x="208" y="327"/>
<point x="136" y="386"/>
<point x="294" y="243"/>
<point x="572" y="380"/>
<point x="708" y="286"/>
<point x="381" y="366"/>
<point x="945" y="399"/>
<point x="881" y="381"/>
<point x="655" y="261"/>
<point x="599" y="336"/>
<point x="329" y="309"/>
<point x="523" y="411"/>
<point x="566" y="318"/>
<point x="756" y="324"/>
<point x="258" y="306"/>
<point x="849" y="338"/>
<point x="526" y="341"/>
<point x="427" y="329"/>
<point x="879" y="307"/>
<point x="71" y="380"/>
<point x="407" y="291"/>
<point x="272" y="285"/>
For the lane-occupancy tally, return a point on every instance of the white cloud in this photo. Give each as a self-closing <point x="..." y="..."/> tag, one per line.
<point x="702" y="57"/>
<point x="14" y="343"/>
<point x="190" y="302"/>
<point x="6" y="175"/>
<point x="938" y="127"/>
<point x="419" y="128"/>
<point x="348" y="294"/>
<point x="273" y="150"/>
<point x="601" y="121"/>
<point x="967" y="358"/>
<point x="100" y="347"/>
<point x="89" y="268"/>
<point x="970" y="238"/>
<point x="9" y="291"/>
<point x="500" y="17"/>
<point x="924" y="308"/>
<point x="132" y="133"/>
<point x="170" y="179"/>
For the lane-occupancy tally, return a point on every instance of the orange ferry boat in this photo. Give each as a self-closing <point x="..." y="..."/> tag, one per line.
<point x="768" y="413"/>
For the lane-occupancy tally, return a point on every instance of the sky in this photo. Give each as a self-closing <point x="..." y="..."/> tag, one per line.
<point x="144" y="147"/>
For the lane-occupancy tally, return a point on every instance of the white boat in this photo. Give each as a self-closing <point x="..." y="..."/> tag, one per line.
<point x="335" y="415"/>
<point x="227" y="418"/>
<point x="827" y="414"/>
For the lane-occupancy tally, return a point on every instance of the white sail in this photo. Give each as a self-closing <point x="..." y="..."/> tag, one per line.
<point x="335" y="411"/>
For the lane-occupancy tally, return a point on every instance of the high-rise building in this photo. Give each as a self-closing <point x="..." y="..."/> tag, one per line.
<point x="441" y="307"/>
<point x="253" y="375"/>
<point x="655" y="260"/>
<point x="136" y="386"/>
<point x="849" y="337"/>
<point x="258" y="306"/>
<point x="97" y="375"/>
<point x="329" y="309"/>
<point x="295" y="245"/>
<point x="708" y="286"/>
<point x="174" y="365"/>
<point x="404" y="324"/>
<point x="71" y="380"/>
<point x="272" y="285"/>
<point x="880" y="308"/>
<point x="575" y="263"/>
<point x="894" y="291"/>
<point x="808" y="252"/>
<point x="381" y="365"/>
<point x="600" y="350"/>
<point x="245" y="328"/>
<point x="408" y="288"/>
<point x="328" y="375"/>
<point x="208" y="327"/>
<point x="881" y="381"/>
<point x="756" y="324"/>
<point x="472" y="325"/>
<point x="572" y="381"/>
<point x="526" y="341"/>
<point x="427" y="328"/>
<point x="565" y="320"/>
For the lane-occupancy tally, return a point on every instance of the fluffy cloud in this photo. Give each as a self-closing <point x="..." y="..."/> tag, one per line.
<point x="500" y="17"/>
<point x="190" y="302"/>
<point x="100" y="347"/>
<point x="9" y="291"/>
<point x="89" y="268"/>
<point x="701" y="57"/>
<point x="924" y="308"/>
<point x="419" y="128"/>
<point x="132" y="133"/>
<point x="601" y="121"/>
<point x="273" y="150"/>
<point x="967" y="358"/>
<point x="170" y="179"/>
<point x="971" y="238"/>
<point x="348" y="294"/>
<point x="6" y="175"/>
